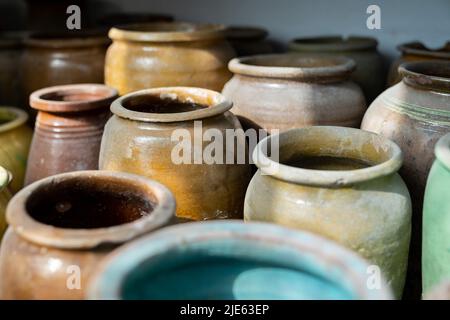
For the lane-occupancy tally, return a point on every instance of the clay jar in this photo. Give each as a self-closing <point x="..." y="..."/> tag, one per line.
<point x="284" y="91"/>
<point x="248" y="41"/>
<point x="5" y="196"/>
<point x="15" y="139"/>
<point x="162" y="134"/>
<point x="69" y="127"/>
<point x="63" y="225"/>
<point x="416" y="51"/>
<point x="233" y="260"/>
<point x="436" y="219"/>
<point x="414" y="113"/>
<point x="11" y="47"/>
<point x="370" y="72"/>
<point x="167" y="54"/>
<point x="341" y="183"/>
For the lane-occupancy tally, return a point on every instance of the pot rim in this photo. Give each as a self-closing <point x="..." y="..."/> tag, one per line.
<point x="442" y="150"/>
<point x="219" y="104"/>
<point x="64" y="40"/>
<point x="419" y="49"/>
<point x="168" y="32"/>
<point x="327" y="178"/>
<point x="429" y="74"/>
<point x="20" y="118"/>
<point x="69" y="238"/>
<point x="109" y="277"/>
<point x="243" y="32"/>
<point x="5" y="178"/>
<point x="251" y="66"/>
<point x="106" y="94"/>
<point x="335" y="43"/>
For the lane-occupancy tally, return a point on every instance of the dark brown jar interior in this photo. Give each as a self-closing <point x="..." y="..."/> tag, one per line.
<point x="431" y="75"/>
<point x="158" y="104"/>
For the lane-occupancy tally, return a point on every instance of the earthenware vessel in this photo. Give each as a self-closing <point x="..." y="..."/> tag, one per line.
<point x="165" y="134"/>
<point x="284" y="91"/>
<point x="15" y="139"/>
<point x="152" y="55"/>
<point x="69" y="128"/>
<point x="436" y="219"/>
<point x="233" y="260"/>
<point x="416" y="51"/>
<point x="60" y="228"/>
<point x="414" y="113"/>
<point x="370" y="71"/>
<point x="341" y="183"/>
<point x="5" y="196"/>
<point x="248" y="41"/>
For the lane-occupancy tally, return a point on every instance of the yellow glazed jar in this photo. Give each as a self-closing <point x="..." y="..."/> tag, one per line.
<point x="15" y="139"/>
<point x="5" y="196"/>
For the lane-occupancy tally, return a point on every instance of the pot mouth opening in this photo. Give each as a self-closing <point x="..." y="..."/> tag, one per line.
<point x="293" y="66"/>
<point x="328" y="156"/>
<point x="63" y="40"/>
<point x="170" y="104"/>
<point x="11" y="118"/>
<point x="442" y="150"/>
<point x="88" y="208"/>
<point x="167" y="32"/>
<point x="73" y="98"/>
<point x="237" y="33"/>
<point x="333" y="43"/>
<point x="419" y="49"/>
<point x="431" y="74"/>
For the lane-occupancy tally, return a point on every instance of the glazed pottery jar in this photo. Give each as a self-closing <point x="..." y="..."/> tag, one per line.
<point x="15" y="139"/>
<point x="232" y="260"/>
<point x="414" y="113"/>
<point x="436" y="219"/>
<point x="152" y="55"/>
<point x="370" y="72"/>
<point x="416" y="51"/>
<point x="5" y="196"/>
<point x="248" y="41"/>
<point x="284" y="91"/>
<point x="69" y="128"/>
<point x="341" y="183"/>
<point x="60" y="228"/>
<point x="162" y="133"/>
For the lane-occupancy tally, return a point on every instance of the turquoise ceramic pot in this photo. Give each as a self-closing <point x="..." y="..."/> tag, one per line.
<point x="233" y="260"/>
<point x="436" y="219"/>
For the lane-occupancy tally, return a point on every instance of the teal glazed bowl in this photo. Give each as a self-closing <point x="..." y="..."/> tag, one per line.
<point x="234" y="260"/>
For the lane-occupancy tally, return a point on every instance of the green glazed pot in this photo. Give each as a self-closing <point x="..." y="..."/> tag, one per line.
<point x="436" y="219"/>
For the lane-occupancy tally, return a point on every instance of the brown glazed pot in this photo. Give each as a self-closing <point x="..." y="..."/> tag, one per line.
<point x="416" y="51"/>
<point x="146" y="132"/>
<point x="152" y="55"/>
<point x="62" y="226"/>
<point x="284" y="91"/>
<point x="414" y="113"/>
<point x="248" y="41"/>
<point x="69" y="127"/>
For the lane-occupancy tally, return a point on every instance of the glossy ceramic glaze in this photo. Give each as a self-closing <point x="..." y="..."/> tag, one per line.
<point x="146" y="143"/>
<point x="153" y="55"/>
<point x="367" y="210"/>
<point x="414" y="113"/>
<point x="370" y="72"/>
<point x="68" y="130"/>
<point x="248" y="41"/>
<point x="5" y="196"/>
<point x="413" y="52"/>
<point x="436" y="219"/>
<point x="233" y="260"/>
<point x="15" y="139"/>
<point x="39" y="260"/>
<point x="284" y="91"/>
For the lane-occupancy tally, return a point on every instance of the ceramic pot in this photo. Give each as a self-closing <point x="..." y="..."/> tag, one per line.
<point x="152" y="55"/>
<point x="370" y="72"/>
<point x="15" y="139"/>
<point x="284" y="91"/>
<point x="413" y="52"/>
<point x="341" y="183"/>
<point x="61" y="227"/>
<point x="248" y="41"/>
<point x="232" y="260"/>
<point x="69" y="128"/>
<point x="158" y="133"/>
<point x="414" y="113"/>
<point x="436" y="219"/>
<point x="5" y="196"/>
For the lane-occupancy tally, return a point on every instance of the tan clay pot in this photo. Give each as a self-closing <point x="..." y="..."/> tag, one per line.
<point x="5" y="196"/>
<point x="152" y="55"/>
<point x="144" y="137"/>
<point x="284" y="91"/>
<point x="341" y="183"/>
<point x="62" y="226"/>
